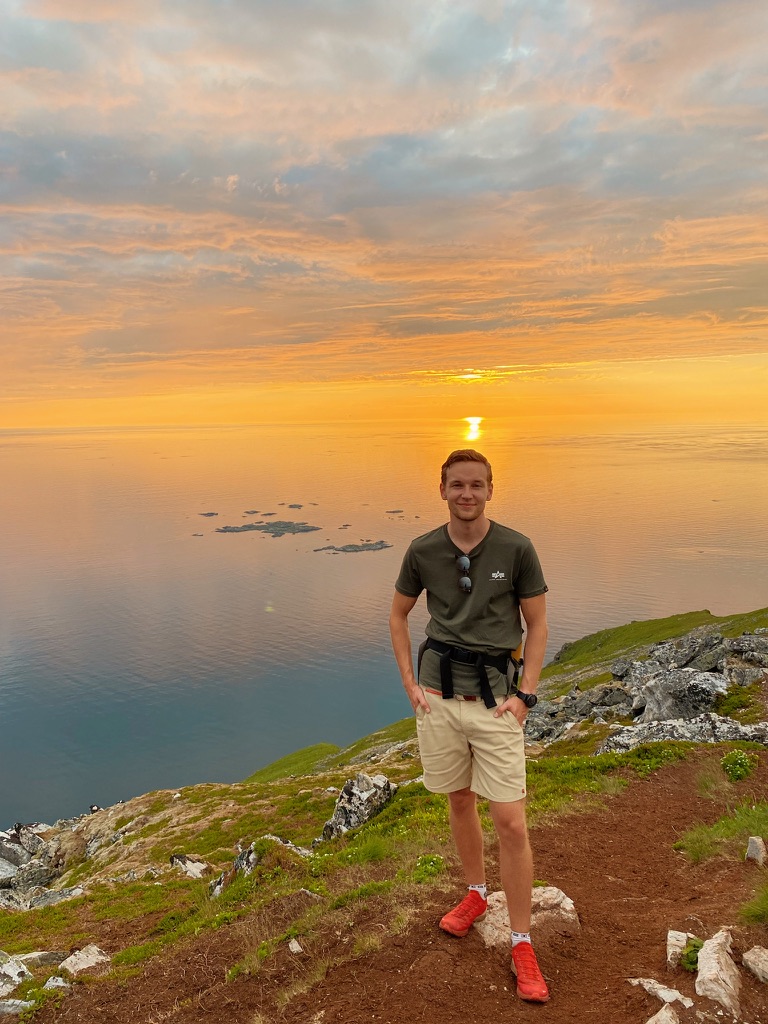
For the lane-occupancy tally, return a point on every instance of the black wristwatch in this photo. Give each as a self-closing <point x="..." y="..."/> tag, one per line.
<point x="529" y="699"/>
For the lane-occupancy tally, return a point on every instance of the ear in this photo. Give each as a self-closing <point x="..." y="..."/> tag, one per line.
<point x="490" y="492"/>
<point x="443" y="495"/>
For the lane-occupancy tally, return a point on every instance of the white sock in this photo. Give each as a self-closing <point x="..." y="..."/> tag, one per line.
<point x="520" y="937"/>
<point x="482" y="889"/>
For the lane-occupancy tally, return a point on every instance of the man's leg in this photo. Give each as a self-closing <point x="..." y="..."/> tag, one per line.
<point x="515" y="861"/>
<point x="516" y="864"/>
<point x="468" y="837"/>
<point x="467" y="834"/>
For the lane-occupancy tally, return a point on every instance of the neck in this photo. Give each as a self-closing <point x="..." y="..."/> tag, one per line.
<point x="468" y="535"/>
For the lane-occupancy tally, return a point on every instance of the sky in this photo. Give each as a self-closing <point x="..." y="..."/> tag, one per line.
<point x="278" y="210"/>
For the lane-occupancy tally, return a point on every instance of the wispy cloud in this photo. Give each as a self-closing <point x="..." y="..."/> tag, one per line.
<point x="198" y="192"/>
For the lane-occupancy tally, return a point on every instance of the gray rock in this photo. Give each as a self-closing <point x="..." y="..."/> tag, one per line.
<point x="620" y="668"/>
<point x="12" y="973"/>
<point x="707" y="728"/>
<point x="683" y="650"/>
<point x="8" y="872"/>
<point x="13" y="1007"/>
<point x="681" y="693"/>
<point x="360" y="799"/>
<point x="191" y="865"/>
<point x="54" y="982"/>
<point x="756" y="850"/>
<point x="718" y="976"/>
<point x="42" y="958"/>
<point x="243" y="864"/>
<point x="35" y="873"/>
<point x="552" y="913"/>
<point x="12" y="851"/>
<point x="666" y="1015"/>
<point x="756" y="960"/>
<point x="50" y="897"/>
<point x="84" y="959"/>
<point x="302" y="851"/>
<point x="739" y="674"/>
<point x="663" y="992"/>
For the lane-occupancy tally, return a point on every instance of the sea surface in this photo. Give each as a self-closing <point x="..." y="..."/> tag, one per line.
<point x="142" y="649"/>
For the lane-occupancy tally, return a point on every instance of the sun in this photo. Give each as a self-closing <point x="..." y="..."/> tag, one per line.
<point x="473" y="430"/>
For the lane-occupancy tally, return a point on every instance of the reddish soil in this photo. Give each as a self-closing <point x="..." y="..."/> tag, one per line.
<point x="615" y="862"/>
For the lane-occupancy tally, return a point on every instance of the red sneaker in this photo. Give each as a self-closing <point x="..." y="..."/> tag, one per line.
<point x="530" y="981"/>
<point x="459" y="920"/>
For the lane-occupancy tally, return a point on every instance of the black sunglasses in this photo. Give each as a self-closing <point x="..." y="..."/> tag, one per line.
<point x="465" y="583"/>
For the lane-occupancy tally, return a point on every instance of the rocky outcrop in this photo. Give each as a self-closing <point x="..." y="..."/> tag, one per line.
<point x="718" y="976"/>
<point x="707" y="728"/>
<point x="360" y="799"/>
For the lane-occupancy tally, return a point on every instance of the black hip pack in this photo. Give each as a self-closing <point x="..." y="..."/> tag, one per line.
<point x="462" y="656"/>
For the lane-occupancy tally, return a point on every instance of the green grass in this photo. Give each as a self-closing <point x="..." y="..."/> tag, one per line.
<point x="756" y="911"/>
<point x="361" y="892"/>
<point x="744" y="703"/>
<point x="579" y="742"/>
<point x="302" y="762"/>
<point x="728" y="835"/>
<point x="611" y="643"/>
<point x="398" y="732"/>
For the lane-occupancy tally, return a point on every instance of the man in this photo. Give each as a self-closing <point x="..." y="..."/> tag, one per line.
<point x="470" y="706"/>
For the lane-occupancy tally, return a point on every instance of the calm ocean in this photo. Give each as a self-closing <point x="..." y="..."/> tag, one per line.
<point x="141" y="649"/>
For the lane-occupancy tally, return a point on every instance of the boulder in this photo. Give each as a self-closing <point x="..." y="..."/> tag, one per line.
<point x="84" y="960"/>
<point x="12" y="973"/>
<point x="42" y="958"/>
<point x="243" y="864"/>
<point x="756" y="850"/>
<point x="552" y="913"/>
<point x="681" y="693"/>
<point x="13" y="1007"/>
<point x="55" y="982"/>
<point x="360" y="800"/>
<point x="756" y="960"/>
<point x="191" y="865"/>
<point x="663" y="992"/>
<point x="676" y="943"/>
<point x="666" y="1015"/>
<point x="8" y="872"/>
<point x="718" y="976"/>
<point x="50" y="897"/>
<point x="708" y="728"/>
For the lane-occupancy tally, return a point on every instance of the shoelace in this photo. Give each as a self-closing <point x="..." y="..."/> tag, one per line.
<point x="526" y="964"/>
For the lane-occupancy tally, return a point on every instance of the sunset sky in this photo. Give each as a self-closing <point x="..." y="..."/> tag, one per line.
<point x="251" y="210"/>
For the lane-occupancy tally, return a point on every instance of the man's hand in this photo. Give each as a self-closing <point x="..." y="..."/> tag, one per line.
<point x="417" y="698"/>
<point x="516" y="707"/>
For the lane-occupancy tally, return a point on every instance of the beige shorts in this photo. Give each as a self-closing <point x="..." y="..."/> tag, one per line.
<point x="463" y="746"/>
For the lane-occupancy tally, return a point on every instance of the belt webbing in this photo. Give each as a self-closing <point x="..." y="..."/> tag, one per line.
<point x="464" y="657"/>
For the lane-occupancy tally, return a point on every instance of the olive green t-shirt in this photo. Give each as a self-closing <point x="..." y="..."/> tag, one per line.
<point x="504" y="568"/>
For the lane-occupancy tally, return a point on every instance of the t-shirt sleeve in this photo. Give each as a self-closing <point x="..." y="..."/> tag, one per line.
<point x="530" y="578"/>
<point x="409" y="582"/>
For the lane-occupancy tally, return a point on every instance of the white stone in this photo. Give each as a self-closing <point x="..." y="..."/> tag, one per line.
<point x="666" y="1015"/>
<point x="13" y="1007"/>
<point x="85" y="958"/>
<point x="295" y="946"/>
<point x="42" y="958"/>
<point x="756" y="959"/>
<point x="552" y="913"/>
<point x="756" y="850"/>
<point x="12" y="973"/>
<point x="718" y="976"/>
<point x="56" y="982"/>
<point x="663" y="992"/>
<point x="676" y="943"/>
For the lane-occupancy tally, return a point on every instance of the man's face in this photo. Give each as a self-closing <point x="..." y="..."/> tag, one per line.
<point x="466" y="489"/>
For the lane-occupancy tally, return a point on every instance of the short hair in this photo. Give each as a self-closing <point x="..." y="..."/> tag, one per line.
<point x="465" y="455"/>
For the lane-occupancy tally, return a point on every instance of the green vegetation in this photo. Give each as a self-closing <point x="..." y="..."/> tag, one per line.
<point x="581" y="741"/>
<point x="302" y="762"/>
<point x="428" y="866"/>
<point x="612" y="643"/>
<point x="744" y="703"/>
<point x="689" y="958"/>
<point x="756" y="911"/>
<point x="728" y="835"/>
<point x="739" y="764"/>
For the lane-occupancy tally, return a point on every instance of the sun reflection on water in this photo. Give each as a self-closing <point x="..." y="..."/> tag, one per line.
<point x="473" y="430"/>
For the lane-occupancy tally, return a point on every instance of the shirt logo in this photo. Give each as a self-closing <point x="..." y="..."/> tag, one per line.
<point x="498" y="576"/>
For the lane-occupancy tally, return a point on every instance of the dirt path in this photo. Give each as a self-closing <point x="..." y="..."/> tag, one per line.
<point x="616" y="863"/>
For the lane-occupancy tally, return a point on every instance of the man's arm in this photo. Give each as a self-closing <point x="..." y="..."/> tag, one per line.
<point x="401" y="645"/>
<point x="534" y="611"/>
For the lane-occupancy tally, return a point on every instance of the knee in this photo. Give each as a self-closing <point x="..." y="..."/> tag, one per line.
<point x="462" y="801"/>
<point x="512" y="833"/>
